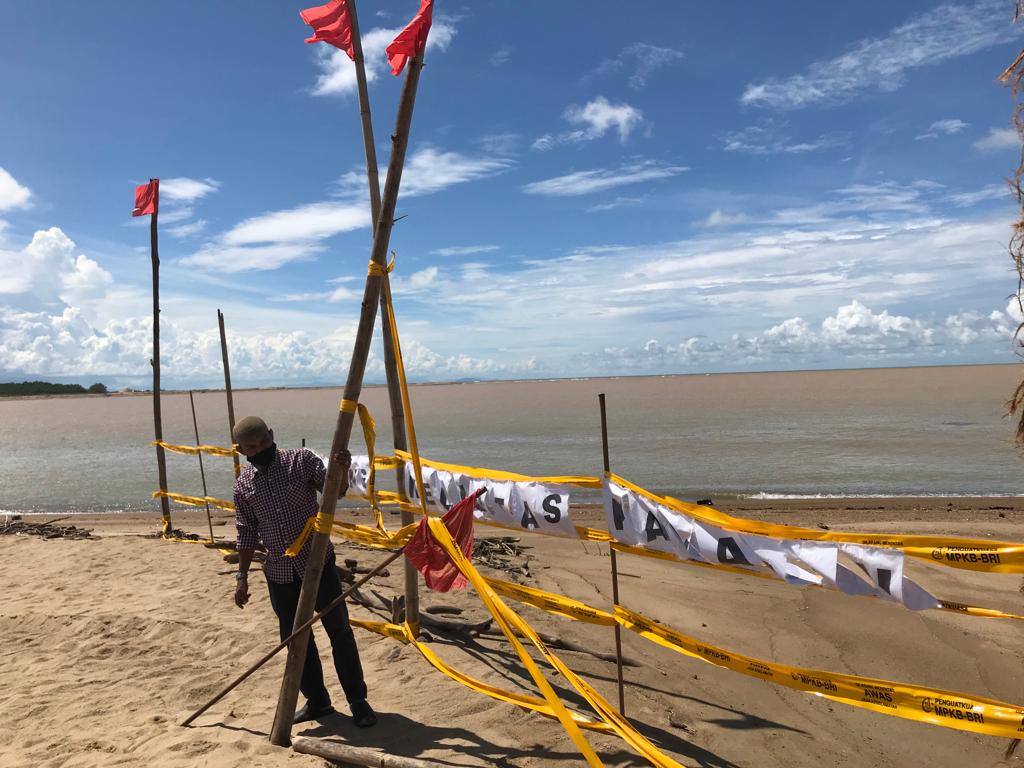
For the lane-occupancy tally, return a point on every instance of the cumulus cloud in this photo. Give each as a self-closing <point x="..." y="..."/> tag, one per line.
<point x="880" y="64"/>
<point x="12" y="194"/>
<point x="855" y="331"/>
<point x="998" y="139"/>
<point x="641" y="60"/>
<point x="602" y="179"/>
<point x="47" y="275"/>
<point x="596" y="118"/>
<point x="337" y="71"/>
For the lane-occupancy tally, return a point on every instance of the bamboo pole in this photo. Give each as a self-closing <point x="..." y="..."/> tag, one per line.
<point x="615" y="568"/>
<point x="227" y="389"/>
<point x="158" y="427"/>
<point x="312" y="620"/>
<point x="202" y="471"/>
<point x="280" y="734"/>
<point x="412" y="601"/>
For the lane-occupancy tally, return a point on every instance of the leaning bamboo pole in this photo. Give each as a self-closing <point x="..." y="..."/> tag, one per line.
<point x="158" y="427"/>
<point x="227" y="388"/>
<point x="202" y="470"/>
<point x="394" y="388"/>
<point x="280" y="734"/>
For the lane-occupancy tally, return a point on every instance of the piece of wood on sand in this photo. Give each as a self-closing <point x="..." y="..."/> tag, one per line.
<point x="349" y="755"/>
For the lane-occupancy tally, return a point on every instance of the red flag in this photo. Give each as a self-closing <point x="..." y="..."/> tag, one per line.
<point x="412" y="40"/>
<point x="332" y="25"/>
<point x="430" y="558"/>
<point x="147" y="198"/>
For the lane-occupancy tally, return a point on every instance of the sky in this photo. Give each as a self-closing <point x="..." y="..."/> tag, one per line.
<point x="590" y="189"/>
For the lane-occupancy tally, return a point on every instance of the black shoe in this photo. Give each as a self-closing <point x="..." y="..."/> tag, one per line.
<point x="309" y="712"/>
<point x="363" y="714"/>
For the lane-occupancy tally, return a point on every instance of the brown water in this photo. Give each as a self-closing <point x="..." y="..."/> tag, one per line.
<point x="911" y="431"/>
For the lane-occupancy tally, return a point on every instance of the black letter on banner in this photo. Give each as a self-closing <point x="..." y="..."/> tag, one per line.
<point x="654" y="529"/>
<point x="885" y="579"/>
<point x="528" y="518"/>
<point x="444" y="498"/>
<point x="618" y="517"/>
<point x="411" y="483"/>
<point x="554" y="514"/>
<point x="729" y="552"/>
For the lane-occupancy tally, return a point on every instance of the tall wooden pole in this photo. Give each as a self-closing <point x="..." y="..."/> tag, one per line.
<point x="280" y="734"/>
<point x="227" y="388"/>
<point x="158" y="426"/>
<point x="412" y="600"/>
<point x="202" y="472"/>
<point x="615" y="568"/>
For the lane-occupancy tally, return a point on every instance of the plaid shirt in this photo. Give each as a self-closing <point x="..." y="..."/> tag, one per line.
<point x="272" y="506"/>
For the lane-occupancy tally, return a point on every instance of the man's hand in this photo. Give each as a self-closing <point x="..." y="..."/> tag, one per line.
<point x="242" y="592"/>
<point x="344" y="459"/>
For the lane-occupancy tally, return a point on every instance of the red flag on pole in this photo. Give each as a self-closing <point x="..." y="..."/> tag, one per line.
<point x="412" y="40"/>
<point x="332" y="25"/>
<point x="147" y="198"/>
<point x="430" y="558"/>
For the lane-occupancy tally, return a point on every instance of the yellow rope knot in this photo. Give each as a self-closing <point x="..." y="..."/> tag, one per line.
<point x="376" y="270"/>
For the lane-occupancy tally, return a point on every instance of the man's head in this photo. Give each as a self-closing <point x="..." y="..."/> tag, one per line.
<point x="252" y="436"/>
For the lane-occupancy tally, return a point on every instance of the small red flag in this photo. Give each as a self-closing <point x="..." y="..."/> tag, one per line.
<point x="147" y="198"/>
<point x="430" y="558"/>
<point x="412" y="40"/>
<point x="332" y="25"/>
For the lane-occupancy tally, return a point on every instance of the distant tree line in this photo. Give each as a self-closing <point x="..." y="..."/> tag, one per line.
<point x="46" y="388"/>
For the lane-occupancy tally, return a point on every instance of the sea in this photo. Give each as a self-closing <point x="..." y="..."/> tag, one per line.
<point x="849" y="433"/>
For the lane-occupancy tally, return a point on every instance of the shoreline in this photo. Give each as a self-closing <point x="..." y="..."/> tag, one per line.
<point x="542" y="379"/>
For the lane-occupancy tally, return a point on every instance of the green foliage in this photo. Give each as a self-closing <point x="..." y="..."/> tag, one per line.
<point x="12" y="389"/>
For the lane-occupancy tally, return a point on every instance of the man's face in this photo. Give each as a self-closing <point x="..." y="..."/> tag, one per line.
<point x="253" y="445"/>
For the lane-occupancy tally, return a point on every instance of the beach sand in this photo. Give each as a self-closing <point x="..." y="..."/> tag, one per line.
<point x="107" y="644"/>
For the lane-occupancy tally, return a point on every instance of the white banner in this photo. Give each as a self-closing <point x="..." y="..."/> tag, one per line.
<point x="637" y="520"/>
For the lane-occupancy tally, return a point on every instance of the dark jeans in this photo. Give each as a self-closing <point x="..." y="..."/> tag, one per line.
<point x="285" y="599"/>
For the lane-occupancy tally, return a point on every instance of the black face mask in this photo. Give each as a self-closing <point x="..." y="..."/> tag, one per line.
<point x="264" y="458"/>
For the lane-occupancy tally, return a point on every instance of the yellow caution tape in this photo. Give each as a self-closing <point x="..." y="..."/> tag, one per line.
<point x="508" y="621"/>
<point x="581" y="481"/>
<point x="930" y="705"/>
<point x="193" y="450"/>
<point x="195" y="501"/>
<point x="926" y="705"/>
<point x="967" y="554"/>
<point x="377" y="270"/>
<point x="404" y="634"/>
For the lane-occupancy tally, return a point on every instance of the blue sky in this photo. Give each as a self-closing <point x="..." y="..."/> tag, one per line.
<point x="591" y="189"/>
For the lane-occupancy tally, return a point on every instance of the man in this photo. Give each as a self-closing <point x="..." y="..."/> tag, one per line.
<point x="274" y="497"/>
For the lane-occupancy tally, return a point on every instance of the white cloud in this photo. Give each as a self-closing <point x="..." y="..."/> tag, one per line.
<point x="936" y="35"/>
<point x="769" y="138"/>
<point x="720" y="218"/>
<point x="465" y="250"/>
<point x="307" y="222"/>
<point x="47" y="275"/>
<point x="337" y="71"/>
<point x="997" y="139"/>
<point x="500" y="56"/>
<point x="218" y="257"/>
<point x="618" y="202"/>
<point x="188" y="230"/>
<point x="596" y="118"/>
<point x="430" y="170"/>
<point x="187" y="190"/>
<point x="601" y="179"/>
<point x="12" y="194"/>
<point x="947" y="127"/>
<point x="989" y="192"/>
<point x="641" y="59"/>
<point x="600" y="116"/>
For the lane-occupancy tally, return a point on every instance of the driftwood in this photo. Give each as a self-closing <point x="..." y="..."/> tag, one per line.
<point x="345" y="754"/>
<point x="15" y="526"/>
<point x="443" y="609"/>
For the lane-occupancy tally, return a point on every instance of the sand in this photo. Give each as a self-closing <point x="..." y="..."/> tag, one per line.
<point x="105" y="645"/>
